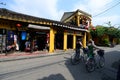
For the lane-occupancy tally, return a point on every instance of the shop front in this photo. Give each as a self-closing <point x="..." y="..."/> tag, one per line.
<point x="39" y="36"/>
<point x="2" y="40"/>
<point x="29" y="33"/>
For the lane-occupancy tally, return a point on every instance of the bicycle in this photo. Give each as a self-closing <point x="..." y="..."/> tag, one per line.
<point x="91" y="64"/>
<point x="76" y="59"/>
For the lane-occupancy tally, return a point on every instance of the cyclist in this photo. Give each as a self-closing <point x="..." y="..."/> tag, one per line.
<point x="91" y="47"/>
<point x="91" y="62"/>
<point x="78" y="46"/>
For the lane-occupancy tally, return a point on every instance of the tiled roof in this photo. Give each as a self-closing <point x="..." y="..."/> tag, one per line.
<point x="66" y="15"/>
<point x="85" y="13"/>
<point x="15" y="16"/>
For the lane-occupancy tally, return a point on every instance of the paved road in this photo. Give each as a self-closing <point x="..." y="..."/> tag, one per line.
<point x="58" y="67"/>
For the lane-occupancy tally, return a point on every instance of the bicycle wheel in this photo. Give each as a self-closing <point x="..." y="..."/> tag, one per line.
<point x="74" y="60"/>
<point x="90" y="65"/>
<point x="102" y="62"/>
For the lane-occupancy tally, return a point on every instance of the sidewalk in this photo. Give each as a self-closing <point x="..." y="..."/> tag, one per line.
<point x="36" y="54"/>
<point x="27" y="55"/>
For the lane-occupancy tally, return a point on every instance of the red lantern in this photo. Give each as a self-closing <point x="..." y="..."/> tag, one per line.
<point x="18" y="25"/>
<point x="93" y="28"/>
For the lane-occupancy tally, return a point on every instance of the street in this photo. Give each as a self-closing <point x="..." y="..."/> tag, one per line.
<point x="59" y="67"/>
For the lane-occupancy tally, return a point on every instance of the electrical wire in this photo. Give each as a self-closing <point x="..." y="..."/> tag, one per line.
<point x="107" y="9"/>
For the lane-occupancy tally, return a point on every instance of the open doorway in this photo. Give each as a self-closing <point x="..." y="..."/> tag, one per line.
<point x="41" y="40"/>
<point x="58" y="41"/>
<point x="70" y="41"/>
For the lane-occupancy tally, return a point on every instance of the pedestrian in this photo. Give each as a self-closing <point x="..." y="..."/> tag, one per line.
<point x="27" y="45"/>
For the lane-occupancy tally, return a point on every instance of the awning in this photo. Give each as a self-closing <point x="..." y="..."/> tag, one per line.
<point x="38" y="27"/>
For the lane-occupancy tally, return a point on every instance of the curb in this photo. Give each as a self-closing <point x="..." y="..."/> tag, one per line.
<point x="31" y="56"/>
<point x="39" y="55"/>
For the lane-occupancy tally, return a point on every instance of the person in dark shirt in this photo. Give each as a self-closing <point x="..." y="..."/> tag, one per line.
<point x="78" y="46"/>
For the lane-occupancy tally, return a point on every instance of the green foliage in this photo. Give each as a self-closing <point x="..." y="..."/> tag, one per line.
<point x="93" y="33"/>
<point x="99" y="32"/>
<point x="118" y="41"/>
<point x="105" y="42"/>
<point x="112" y="32"/>
<point x="118" y="33"/>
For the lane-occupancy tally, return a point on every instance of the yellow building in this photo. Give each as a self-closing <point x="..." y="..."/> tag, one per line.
<point x="16" y="29"/>
<point x="80" y="19"/>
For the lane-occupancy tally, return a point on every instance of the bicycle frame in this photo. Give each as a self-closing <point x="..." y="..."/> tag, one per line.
<point x="91" y="63"/>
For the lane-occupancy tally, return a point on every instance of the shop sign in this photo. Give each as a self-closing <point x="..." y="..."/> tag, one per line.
<point x="38" y="27"/>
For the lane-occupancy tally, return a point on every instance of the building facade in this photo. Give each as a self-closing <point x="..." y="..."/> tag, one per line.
<point x="28" y="33"/>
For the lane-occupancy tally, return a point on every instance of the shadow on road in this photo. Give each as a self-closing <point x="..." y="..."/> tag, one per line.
<point x="79" y="72"/>
<point x="54" y="77"/>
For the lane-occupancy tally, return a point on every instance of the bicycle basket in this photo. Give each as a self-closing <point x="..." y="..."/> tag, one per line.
<point x="100" y="52"/>
<point x="85" y="50"/>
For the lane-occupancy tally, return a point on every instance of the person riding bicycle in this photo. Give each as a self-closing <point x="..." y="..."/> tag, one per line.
<point x="91" y="62"/>
<point x="91" y="47"/>
<point x="78" y="46"/>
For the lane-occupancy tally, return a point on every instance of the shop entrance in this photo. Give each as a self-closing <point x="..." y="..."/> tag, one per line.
<point x="78" y="37"/>
<point x="41" y="39"/>
<point x="38" y="39"/>
<point x="70" y="41"/>
<point x="59" y="41"/>
<point x="22" y="39"/>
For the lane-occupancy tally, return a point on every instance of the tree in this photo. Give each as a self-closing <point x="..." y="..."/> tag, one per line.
<point x="99" y="32"/>
<point x="111" y="32"/>
<point x="118" y="33"/>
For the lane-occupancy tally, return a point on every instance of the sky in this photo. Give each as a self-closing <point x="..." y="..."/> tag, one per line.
<point x="102" y="11"/>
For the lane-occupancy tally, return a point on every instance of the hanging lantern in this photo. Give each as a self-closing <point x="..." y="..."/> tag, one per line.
<point x="93" y="28"/>
<point x="18" y="25"/>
